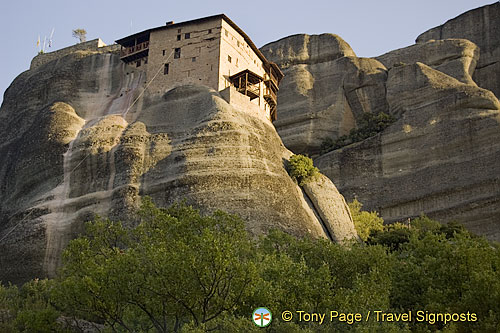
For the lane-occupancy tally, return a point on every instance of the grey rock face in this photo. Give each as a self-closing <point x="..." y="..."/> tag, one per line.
<point x="454" y="57"/>
<point x="482" y="27"/>
<point x="76" y="141"/>
<point x="332" y="209"/>
<point x="325" y="88"/>
<point x="441" y="157"/>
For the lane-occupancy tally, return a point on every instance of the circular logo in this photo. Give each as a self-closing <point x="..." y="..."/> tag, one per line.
<point x="262" y="317"/>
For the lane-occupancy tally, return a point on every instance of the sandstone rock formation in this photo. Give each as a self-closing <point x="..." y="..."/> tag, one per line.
<point x="332" y="209"/>
<point x="324" y="89"/>
<point x="482" y="27"/>
<point x="441" y="156"/>
<point x="76" y="140"/>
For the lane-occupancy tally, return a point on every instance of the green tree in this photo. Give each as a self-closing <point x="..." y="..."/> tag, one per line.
<point x="365" y="222"/>
<point x="302" y="169"/>
<point x="29" y="309"/>
<point x="175" y="267"/>
<point x="80" y="34"/>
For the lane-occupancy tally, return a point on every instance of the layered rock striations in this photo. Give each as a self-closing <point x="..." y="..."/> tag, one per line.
<point x="324" y="89"/>
<point x="441" y="155"/>
<point x="482" y="27"/>
<point x="79" y="138"/>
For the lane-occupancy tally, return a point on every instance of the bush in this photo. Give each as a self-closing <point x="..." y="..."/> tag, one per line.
<point x="365" y="222"/>
<point x="369" y="125"/>
<point x="175" y="267"/>
<point x="302" y="169"/>
<point x="180" y="271"/>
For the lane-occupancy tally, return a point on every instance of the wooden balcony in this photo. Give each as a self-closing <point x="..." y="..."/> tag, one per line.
<point x="247" y="83"/>
<point x="134" y="52"/>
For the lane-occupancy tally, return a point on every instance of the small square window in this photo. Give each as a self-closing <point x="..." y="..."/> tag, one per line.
<point x="209" y="31"/>
<point x="177" y="53"/>
<point x="238" y="43"/>
<point x="227" y="34"/>
<point x="193" y="59"/>
<point x="179" y="30"/>
<point x="163" y="52"/>
<point x="165" y="69"/>
<point x="187" y="35"/>
<point x="229" y="58"/>
<point x="178" y="37"/>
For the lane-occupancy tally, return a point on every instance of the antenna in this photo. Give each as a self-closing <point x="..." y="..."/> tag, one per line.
<point x="50" y="38"/>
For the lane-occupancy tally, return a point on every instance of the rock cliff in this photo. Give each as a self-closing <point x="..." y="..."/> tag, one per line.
<point x="441" y="155"/>
<point x="482" y="27"/>
<point x="324" y="89"/>
<point x="78" y="138"/>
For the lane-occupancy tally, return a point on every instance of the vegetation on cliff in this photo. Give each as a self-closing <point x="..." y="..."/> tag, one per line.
<point x="180" y="271"/>
<point x="302" y="169"/>
<point x="369" y="125"/>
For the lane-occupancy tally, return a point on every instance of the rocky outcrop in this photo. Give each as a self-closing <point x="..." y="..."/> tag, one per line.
<point x="325" y="88"/>
<point x="441" y="156"/>
<point x="76" y="140"/>
<point x="454" y="57"/>
<point x="332" y="209"/>
<point x="482" y="27"/>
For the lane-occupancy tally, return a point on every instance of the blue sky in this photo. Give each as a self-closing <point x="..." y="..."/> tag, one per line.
<point x="370" y="27"/>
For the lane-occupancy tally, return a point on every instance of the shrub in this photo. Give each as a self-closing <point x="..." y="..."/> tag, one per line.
<point x="365" y="222"/>
<point x="302" y="169"/>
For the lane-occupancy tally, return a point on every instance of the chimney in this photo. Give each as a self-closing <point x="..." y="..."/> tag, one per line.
<point x="169" y="23"/>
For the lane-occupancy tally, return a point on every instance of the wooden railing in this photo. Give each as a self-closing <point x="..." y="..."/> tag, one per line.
<point x="269" y="93"/>
<point x="134" y="49"/>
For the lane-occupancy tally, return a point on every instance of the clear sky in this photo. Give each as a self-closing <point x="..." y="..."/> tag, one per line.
<point x="370" y="27"/>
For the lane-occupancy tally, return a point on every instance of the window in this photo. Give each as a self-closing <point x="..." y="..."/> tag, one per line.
<point x="238" y="43"/>
<point x="163" y="52"/>
<point x="179" y="30"/>
<point x="229" y="58"/>
<point x="187" y="35"/>
<point x="165" y="69"/>
<point x="177" y="53"/>
<point x="178" y="37"/>
<point x="145" y="61"/>
<point x="193" y="59"/>
<point x="227" y="34"/>
<point x="209" y="31"/>
<point x="138" y="64"/>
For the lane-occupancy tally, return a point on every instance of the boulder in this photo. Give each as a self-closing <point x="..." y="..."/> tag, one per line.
<point x="332" y="209"/>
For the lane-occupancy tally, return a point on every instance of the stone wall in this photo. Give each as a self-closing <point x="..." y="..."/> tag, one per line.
<point x="235" y="56"/>
<point x="243" y="103"/>
<point x="198" y="61"/>
<point x="92" y="45"/>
